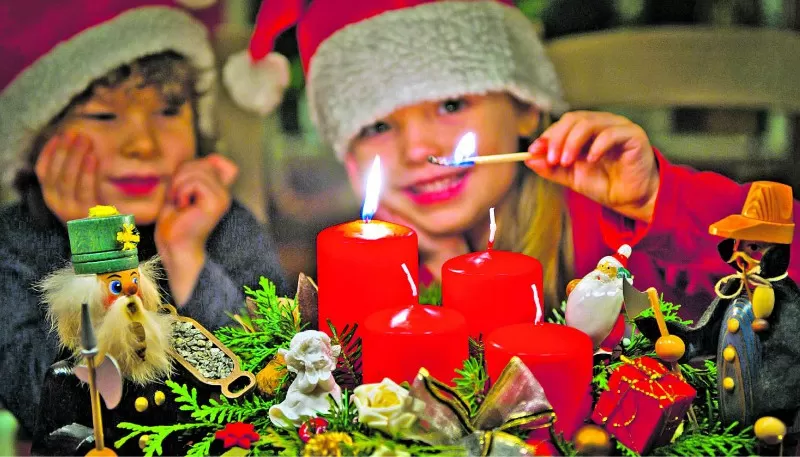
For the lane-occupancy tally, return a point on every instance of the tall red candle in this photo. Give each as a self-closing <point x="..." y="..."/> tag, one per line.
<point x="358" y="270"/>
<point x="560" y="358"/>
<point x="492" y="288"/>
<point x="398" y="342"/>
<point x="358" y="264"/>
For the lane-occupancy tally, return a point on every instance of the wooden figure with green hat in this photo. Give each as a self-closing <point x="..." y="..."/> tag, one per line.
<point x="131" y="334"/>
<point x="106" y="306"/>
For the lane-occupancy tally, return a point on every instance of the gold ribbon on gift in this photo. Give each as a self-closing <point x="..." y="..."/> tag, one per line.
<point x="515" y="400"/>
<point x="652" y="379"/>
<point x="748" y="277"/>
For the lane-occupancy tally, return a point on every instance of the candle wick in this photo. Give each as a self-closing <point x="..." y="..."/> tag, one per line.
<point x="539" y="312"/>
<point x="492" y="228"/>
<point x="410" y="281"/>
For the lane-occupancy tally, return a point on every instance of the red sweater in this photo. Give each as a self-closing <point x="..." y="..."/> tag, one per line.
<point x="675" y="253"/>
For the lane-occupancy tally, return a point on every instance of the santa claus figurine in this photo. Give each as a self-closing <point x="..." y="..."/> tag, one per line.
<point x="594" y="303"/>
<point x="130" y="329"/>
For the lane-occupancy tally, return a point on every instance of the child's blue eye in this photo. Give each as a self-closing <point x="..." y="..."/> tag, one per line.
<point x="374" y="129"/>
<point x="453" y="105"/>
<point x="115" y="287"/>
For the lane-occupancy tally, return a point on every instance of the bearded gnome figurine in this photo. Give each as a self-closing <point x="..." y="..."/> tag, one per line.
<point x="753" y="326"/>
<point x="130" y="327"/>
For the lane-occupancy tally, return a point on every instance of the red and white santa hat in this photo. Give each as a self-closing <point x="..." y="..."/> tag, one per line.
<point x="52" y="51"/>
<point x="364" y="59"/>
<point x="618" y="259"/>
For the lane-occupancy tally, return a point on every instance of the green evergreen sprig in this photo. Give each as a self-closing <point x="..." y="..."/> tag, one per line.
<point x="471" y="383"/>
<point x="343" y="415"/>
<point x="348" y="367"/>
<point x="431" y="294"/>
<point x="275" y="322"/>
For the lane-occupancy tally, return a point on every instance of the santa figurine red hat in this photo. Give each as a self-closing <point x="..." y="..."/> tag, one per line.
<point x="363" y="59"/>
<point x="51" y="52"/>
<point x="618" y="259"/>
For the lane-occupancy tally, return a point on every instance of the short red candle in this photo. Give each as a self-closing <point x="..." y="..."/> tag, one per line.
<point x="492" y="289"/>
<point x="560" y="358"/>
<point x="359" y="270"/>
<point x="398" y="342"/>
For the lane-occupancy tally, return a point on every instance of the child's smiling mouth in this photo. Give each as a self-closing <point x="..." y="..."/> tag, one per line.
<point x="136" y="186"/>
<point x="438" y="189"/>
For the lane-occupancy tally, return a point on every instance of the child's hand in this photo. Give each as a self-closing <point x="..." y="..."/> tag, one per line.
<point x="199" y="196"/>
<point x="66" y="169"/>
<point x="434" y="250"/>
<point x="602" y="156"/>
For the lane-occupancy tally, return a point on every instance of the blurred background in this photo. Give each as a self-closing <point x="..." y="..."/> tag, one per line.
<point x="714" y="83"/>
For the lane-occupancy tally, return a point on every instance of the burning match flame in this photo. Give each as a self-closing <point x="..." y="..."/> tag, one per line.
<point x="465" y="150"/>
<point x="373" y="191"/>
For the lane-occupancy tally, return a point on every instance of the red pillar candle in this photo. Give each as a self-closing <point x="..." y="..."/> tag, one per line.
<point x="560" y="358"/>
<point x="492" y="288"/>
<point x="358" y="264"/>
<point x="358" y="270"/>
<point x="398" y="342"/>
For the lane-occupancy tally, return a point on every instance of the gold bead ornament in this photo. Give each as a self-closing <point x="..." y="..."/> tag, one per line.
<point x="763" y="301"/>
<point x="670" y="348"/>
<point x="592" y="440"/>
<point x="729" y="354"/>
<point x="770" y="430"/>
<point x="728" y="384"/>
<point x="140" y="404"/>
<point x="733" y="325"/>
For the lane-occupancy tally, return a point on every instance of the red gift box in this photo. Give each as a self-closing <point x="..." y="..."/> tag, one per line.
<point x="644" y="404"/>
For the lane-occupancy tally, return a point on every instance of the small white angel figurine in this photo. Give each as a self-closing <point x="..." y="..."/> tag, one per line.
<point x="313" y="359"/>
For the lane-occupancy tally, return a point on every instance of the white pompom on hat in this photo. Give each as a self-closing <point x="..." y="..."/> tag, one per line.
<point x="256" y="77"/>
<point x="619" y="259"/>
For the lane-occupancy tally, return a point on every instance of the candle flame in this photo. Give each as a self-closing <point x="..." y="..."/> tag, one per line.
<point x="465" y="149"/>
<point x="492" y="227"/>
<point x="410" y="280"/>
<point x="539" y="311"/>
<point x="373" y="191"/>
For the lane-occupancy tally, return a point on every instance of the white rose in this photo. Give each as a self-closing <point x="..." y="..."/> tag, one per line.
<point x="381" y="406"/>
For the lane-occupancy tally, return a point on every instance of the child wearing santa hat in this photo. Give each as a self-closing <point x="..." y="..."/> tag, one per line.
<point x="408" y="79"/>
<point x="111" y="103"/>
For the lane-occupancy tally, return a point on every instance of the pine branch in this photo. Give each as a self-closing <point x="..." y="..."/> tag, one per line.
<point x="431" y="294"/>
<point x="557" y="314"/>
<point x="348" y="367"/>
<point x="343" y="416"/>
<point x="287" y="444"/>
<point x="471" y="383"/>
<point x="157" y="434"/>
<point x="378" y="443"/>
<point x="669" y="310"/>
<point x="276" y="322"/>
<point x="202" y="448"/>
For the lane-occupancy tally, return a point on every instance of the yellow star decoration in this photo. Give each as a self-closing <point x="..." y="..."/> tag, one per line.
<point x="103" y="211"/>
<point x="129" y="237"/>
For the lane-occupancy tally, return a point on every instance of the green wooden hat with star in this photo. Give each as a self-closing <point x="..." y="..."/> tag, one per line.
<point x="104" y="242"/>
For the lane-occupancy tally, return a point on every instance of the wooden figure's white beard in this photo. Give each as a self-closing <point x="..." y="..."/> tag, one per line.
<point x="119" y="328"/>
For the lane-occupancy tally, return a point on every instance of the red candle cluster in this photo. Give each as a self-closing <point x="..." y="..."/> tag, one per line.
<point x="358" y="270"/>
<point x="560" y="358"/>
<point x="492" y="289"/>
<point x="398" y="342"/>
